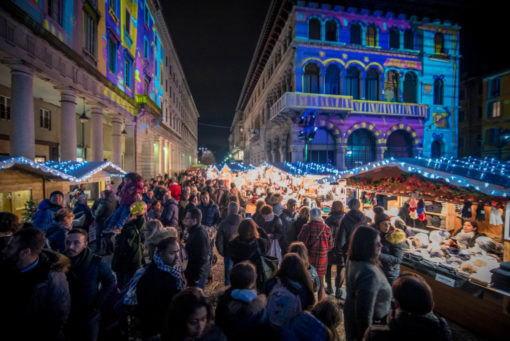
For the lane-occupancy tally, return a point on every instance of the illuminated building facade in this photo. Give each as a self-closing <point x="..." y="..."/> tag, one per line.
<point x="94" y="79"/>
<point x="347" y="86"/>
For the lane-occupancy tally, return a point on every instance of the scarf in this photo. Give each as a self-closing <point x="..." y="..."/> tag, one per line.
<point x="175" y="270"/>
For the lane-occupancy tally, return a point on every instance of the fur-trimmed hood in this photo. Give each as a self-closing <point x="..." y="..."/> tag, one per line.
<point x="57" y="262"/>
<point x="396" y="236"/>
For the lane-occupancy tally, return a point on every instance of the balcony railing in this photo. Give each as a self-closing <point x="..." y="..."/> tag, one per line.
<point x="298" y="102"/>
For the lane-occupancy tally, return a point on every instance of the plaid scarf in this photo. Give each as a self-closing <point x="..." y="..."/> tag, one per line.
<point x="175" y="271"/>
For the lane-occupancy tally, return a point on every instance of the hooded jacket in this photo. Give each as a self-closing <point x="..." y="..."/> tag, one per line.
<point x="333" y="221"/>
<point x="392" y="253"/>
<point x="37" y="303"/>
<point x="127" y="257"/>
<point x="407" y="326"/>
<point x="198" y="249"/>
<point x="170" y="213"/>
<point x="226" y="232"/>
<point x="305" y="327"/>
<point x="43" y="218"/>
<point x="105" y="208"/>
<point x="246" y="249"/>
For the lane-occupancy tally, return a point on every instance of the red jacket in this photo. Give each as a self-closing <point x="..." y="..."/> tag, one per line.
<point x="316" y="235"/>
<point x="175" y="190"/>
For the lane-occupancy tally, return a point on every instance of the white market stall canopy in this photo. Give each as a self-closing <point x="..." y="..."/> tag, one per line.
<point x="73" y="171"/>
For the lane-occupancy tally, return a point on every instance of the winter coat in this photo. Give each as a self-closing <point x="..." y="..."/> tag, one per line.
<point x="56" y="236"/>
<point x="210" y="214"/>
<point x="274" y="229"/>
<point x="246" y="249"/>
<point x="368" y="297"/>
<point x="154" y="292"/>
<point x="317" y="238"/>
<point x="83" y="209"/>
<point x="404" y="326"/>
<point x="297" y="225"/>
<point x="392" y="253"/>
<point x="304" y="327"/>
<point x="296" y="288"/>
<point x="351" y="220"/>
<point x="43" y="218"/>
<point x="170" y="213"/>
<point x="287" y="219"/>
<point x="242" y="320"/>
<point x="105" y="209"/>
<point x="198" y="249"/>
<point x="333" y="221"/>
<point x="127" y="194"/>
<point x="88" y="273"/>
<point x="226" y="232"/>
<point x="127" y="257"/>
<point x="36" y="303"/>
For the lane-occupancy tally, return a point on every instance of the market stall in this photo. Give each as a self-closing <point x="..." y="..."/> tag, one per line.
<point x="23" y="180"/>
<point x="434" y="202"/>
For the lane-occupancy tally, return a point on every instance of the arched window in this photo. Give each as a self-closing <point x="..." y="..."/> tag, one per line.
<point x="356" y="34"/>
<point x="331" y="31"/>
<point x="394" y="38"/>
<point x="314" y="29"/>
<point x="392" y="86"/>
<point x="438" y="91"/>
<point x="352" y="82"/>
<point x="409" y="39"/>
<point x="333" y="80"/>
<point x="322" y="148"/>
<point x="371" y="36"/>
<point x="372" y="87"/>
<point x="439" y="43"/>
<point x="410" y="88"/>
<point x="360" y="148"/>
<point x="312" y="78"/>
<point x="400" y="144"/>
<point x="436" y="150"/>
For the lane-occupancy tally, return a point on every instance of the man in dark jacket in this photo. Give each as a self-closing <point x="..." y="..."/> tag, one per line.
<point x="105" y="208"/>
<point x="198" y="249"/>
<point x="158" y="285"/>
<point x="210" y="211"/>
<point x="272" y="225"/>
<point x="170" y="214"/>
<point x="81" y="208"/>
<point x="288" y="217"/>
<point x="352" y="219"/>
<point x="226" y="232"/>
<point x="43" y="218"/>
<point x="90" y="282"/>
<point x="413" y="318"/>
<point x="35" y="301"/>
<point x="334" y="257"/>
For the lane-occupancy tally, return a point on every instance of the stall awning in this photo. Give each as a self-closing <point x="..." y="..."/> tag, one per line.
<point x="73" y="171"/>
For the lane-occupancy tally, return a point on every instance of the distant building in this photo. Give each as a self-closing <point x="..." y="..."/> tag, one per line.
<point x="94" y="79"/>
<point x="496" y="115"/>
<point x="347" y="86"/>
<point x="470" y="116"/>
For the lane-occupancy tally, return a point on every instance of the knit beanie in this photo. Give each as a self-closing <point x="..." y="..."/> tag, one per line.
<point x="380" y="218"/>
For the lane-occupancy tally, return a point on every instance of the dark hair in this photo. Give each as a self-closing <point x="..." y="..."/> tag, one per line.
<point x="243" y="276"/>
<point x="108" y="194"/>
<point x="195" y="213"/>
<point x="378" y="210"/>
<point x="328" y="312"/>
<point x="9" y="222"/>
<point x="266" y="209"/>
<point x="134" y="177"/>
<point x="362" y="245"/>
<point x="62" y="213"/>
<point x="293" y="268"/>
<point x="81" y="231"/>
<point x="30" y="238"/>
<point x="413" y="294"/>
<point x="300" y="249"/>
<point x="204" y="193"/>
<point x="473" y="223"/>
<point x="165" y="243"/>
<point x="353" y="204"/>
<point x="248" y="229"/>
<point x="183" y="305"/>
<point x="337" y="206"/>
<point x="259" y="205"/>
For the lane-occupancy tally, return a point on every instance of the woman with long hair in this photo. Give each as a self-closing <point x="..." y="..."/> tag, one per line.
<point x="368" y="291"/>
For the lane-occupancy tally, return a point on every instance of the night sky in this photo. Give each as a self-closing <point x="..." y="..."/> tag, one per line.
<point x="215" y="41"/>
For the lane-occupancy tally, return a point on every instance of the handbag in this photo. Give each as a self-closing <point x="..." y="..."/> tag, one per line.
<point x="268" y="264"/>
<point x="275" y="251"/>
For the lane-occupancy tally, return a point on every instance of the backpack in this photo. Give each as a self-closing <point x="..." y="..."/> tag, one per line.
<point x="282" y="304"/>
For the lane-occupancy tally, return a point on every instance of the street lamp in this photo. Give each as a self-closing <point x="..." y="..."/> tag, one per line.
<point x="83" y="120"/>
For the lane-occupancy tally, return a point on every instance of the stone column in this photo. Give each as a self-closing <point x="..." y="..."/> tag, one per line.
<point x="129" y="147"/>
<point x="297" y="153"/>
<point x="160" y="169"/>
<point x="22" y="102"/>
<point x="96" y="130"/>
<point x="117" y="140"/>
<point x="340" y="156"/>
<point x="68" y="139"/>
<point x="380" y="152"/>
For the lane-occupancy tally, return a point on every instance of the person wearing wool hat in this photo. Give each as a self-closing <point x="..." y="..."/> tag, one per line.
<point x="392" y="252"/>
<point x="127" y="257"/>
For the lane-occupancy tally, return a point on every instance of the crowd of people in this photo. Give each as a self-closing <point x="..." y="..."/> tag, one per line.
<point x="290" y="273"/>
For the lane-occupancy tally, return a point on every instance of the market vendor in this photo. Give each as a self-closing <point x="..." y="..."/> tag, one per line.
<point x="466" y="236"/>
